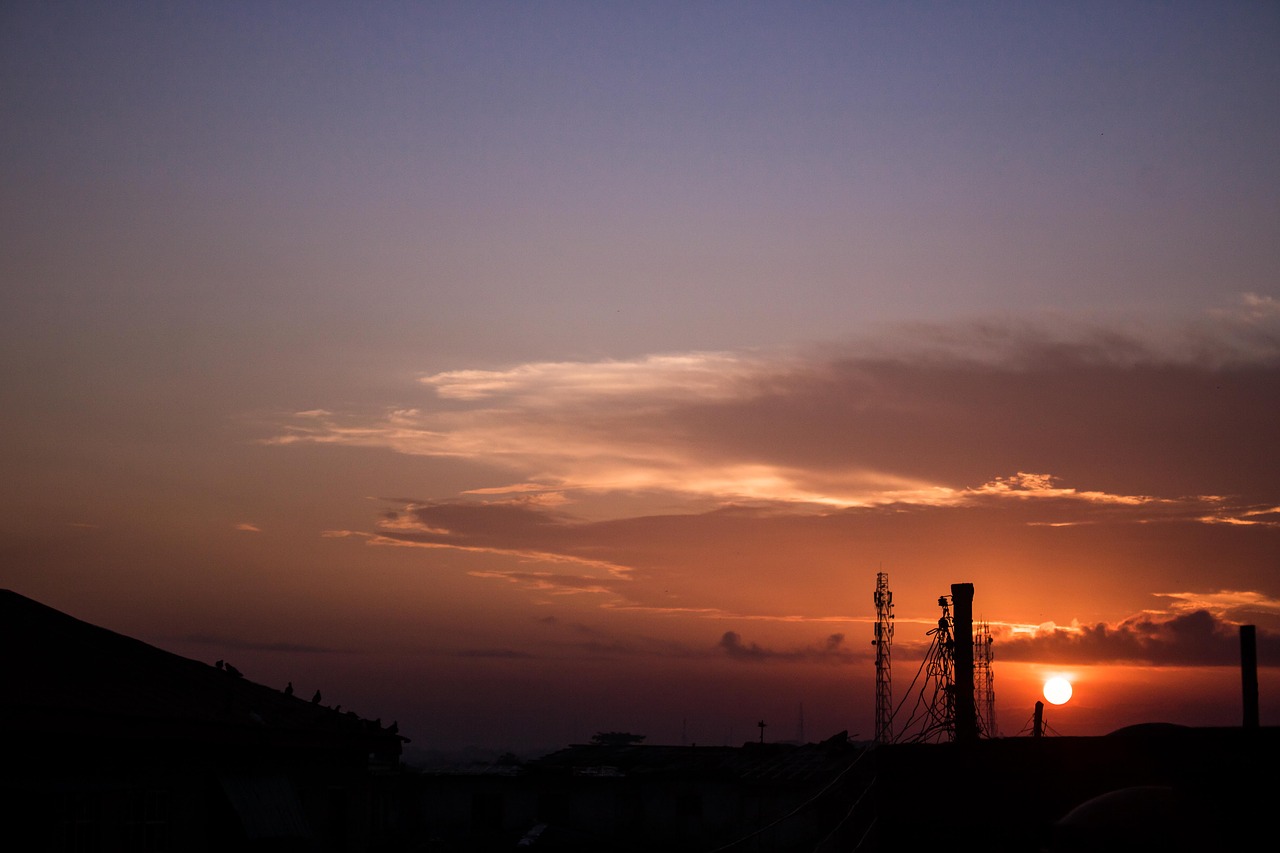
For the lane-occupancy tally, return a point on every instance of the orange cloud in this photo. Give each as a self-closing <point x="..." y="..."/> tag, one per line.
<point x="1191" y="638"/>
<point x="1083" y="421"/>
<point x="830" y="650"/>
<point x="1081" y="470"/>
<point x="691" y="376"/>
<point x="1237" y="606"/>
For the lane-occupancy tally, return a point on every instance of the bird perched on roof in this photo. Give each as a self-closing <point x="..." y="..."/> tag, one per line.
<point x="288" y="689"/>
<point x="218" y="664"/>
<point x="315" y="700"/>
<point x="231" y="669"/>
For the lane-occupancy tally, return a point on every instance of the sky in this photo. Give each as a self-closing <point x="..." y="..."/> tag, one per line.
<point x="520" y="371"/>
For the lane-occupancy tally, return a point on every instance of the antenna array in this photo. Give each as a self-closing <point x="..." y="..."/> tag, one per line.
<point x="883" y="641"/>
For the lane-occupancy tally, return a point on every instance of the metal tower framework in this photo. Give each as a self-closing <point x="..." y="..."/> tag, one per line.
<point x="956" y="701"/>
<point x="984" y="688"/>
<point x="883" y="642"/>
<point x="933" y="719"/>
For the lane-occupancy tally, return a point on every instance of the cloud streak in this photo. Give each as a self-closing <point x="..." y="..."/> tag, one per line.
<point x="1192" y="638"/>
<point x="970" y="415"/>
<point x="1052" y="464"/>
<point x="831" y="650"/>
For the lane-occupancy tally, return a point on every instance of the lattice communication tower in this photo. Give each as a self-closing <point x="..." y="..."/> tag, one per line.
<point x="883" y="641"/>
<point x="984" y="687"/>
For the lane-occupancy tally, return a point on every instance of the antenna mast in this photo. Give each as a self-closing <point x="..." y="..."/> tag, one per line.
<point x="883" y="641"/>
<point x="984" y="687"/>
<point x="934" y="717"/>
<point x="947" y="706"/>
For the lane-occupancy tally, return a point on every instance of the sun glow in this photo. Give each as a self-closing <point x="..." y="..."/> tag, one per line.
<point x="1057" y="690"/>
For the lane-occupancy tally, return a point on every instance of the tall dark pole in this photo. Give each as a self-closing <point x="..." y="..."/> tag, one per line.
<point x="1249" y="674"/>
<point x="1037" y="727"/>
<point x="966" y="712"/>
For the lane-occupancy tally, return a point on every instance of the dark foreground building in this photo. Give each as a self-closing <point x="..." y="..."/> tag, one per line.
<point x="1149" y="787"/>
<point x="1154" y="787"/>
<point x="109" y="744"/>
<point x="636" y="797"/>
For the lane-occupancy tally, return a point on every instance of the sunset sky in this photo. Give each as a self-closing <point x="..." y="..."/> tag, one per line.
<point x="518" y="371"/>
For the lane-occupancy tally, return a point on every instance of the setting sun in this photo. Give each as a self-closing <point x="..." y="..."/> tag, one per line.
<point x="1057" y="690"/>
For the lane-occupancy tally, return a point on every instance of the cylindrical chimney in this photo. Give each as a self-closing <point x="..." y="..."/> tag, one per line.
<point x="966" y="711"/>
<point x="1249" y="674"/>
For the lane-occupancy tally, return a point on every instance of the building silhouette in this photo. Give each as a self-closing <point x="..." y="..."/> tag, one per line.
<point x="110" y="744"/>
<point x="113" y="744"/>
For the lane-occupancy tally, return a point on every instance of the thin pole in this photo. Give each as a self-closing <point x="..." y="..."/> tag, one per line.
<point x="1249" y="674"/>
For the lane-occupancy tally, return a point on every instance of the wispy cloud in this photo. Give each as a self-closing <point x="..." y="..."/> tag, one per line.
<point x="1236" y="606"/>
<point x="736" y="486"/>
<point x="521" y="529"/>
<point x="691" y="376"/>
<point x="691" y="564"/>
<point x="598" y="642"/>
<point x="1040" y="486"/>
<point x="830" y="650"/>
<point x="548" y="582"/>
<point x="1191" y="638"/>
<point x="967" y="414"/>
<point x="1195" y="637"/>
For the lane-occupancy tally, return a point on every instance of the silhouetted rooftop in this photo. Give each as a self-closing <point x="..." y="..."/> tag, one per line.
<point x="68" y="677"/>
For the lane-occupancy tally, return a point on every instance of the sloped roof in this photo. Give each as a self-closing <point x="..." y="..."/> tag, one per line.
<point x="61" y="674"/>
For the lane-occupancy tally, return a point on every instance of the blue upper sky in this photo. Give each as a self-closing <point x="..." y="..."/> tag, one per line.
<point x="501" y="181"/>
